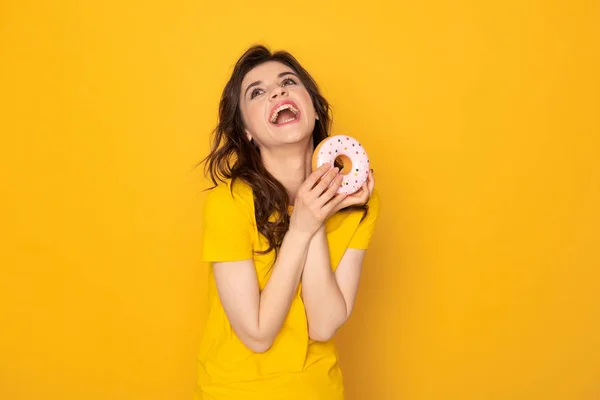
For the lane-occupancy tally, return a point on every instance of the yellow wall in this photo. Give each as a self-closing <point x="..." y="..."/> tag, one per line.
<point x="483" y="125"/>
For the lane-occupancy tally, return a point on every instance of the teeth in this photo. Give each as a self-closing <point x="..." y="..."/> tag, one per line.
<point x="281" y="108"/>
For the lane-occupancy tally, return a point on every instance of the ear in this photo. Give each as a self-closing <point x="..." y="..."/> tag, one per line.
<point x="248" y="135"/>
<point x="317" y="117"/>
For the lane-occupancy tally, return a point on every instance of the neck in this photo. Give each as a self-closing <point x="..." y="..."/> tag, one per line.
<point x="290" y="165"/>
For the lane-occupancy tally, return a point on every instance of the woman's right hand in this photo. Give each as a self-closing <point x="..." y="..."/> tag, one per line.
<point x="316" y="200"/>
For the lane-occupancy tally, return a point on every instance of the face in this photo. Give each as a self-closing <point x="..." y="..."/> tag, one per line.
<point x="276" y="107"/>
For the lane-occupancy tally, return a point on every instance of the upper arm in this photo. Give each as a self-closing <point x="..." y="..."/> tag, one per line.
<point x="227" y="227"/>
<point x="349" y="269"/>
<point x="364" y="232"/>
<point x="227" y="244"/>
<point x="239" y="293"/>
<point x="348" y="274"/>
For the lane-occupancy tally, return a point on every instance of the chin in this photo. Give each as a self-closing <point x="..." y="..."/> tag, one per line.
<point x="291" y="134"/>
<point x="297" y="137"/>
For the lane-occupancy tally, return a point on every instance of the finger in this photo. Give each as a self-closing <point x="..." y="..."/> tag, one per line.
<point x="350" y="200"/>
<point x="335" y="203"/>
<point x="365" y="193"/>
<point x="340" y="205"/>
<point x="331" y="190"/>
<point x="371" y="182"/>
<point x="324" y="183"/>
<point x="360" y="192"/>
<point x="359" y="197"/>
<point x="314" y="177"/>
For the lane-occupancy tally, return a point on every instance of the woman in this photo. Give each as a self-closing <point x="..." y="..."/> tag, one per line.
<point x="285" y="250"/>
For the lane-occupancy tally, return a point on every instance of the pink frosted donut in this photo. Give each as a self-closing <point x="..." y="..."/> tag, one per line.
<point x="345" y="151"/>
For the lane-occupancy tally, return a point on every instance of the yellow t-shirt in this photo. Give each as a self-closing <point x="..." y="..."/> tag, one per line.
<point x="295" y="367"/>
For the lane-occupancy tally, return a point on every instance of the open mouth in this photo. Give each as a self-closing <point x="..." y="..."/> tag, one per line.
<point x="284" y="113"/>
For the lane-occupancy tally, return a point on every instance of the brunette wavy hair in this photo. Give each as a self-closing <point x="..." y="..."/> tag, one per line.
<point x="233" y="156"/>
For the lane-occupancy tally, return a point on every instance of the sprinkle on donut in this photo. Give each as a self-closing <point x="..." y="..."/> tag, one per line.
<point x="355" y="162"/>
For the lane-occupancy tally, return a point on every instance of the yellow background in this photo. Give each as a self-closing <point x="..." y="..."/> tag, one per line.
<point x="483" y="124"/>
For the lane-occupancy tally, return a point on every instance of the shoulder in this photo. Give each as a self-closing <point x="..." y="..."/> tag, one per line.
<point x="227" y="224"/>
<point x="356" y="219"/>
<point x="228" y="192"/>
<point x="374" y="201"/>
<point x="228" y="197"/>
<point x="374" y="205"/>
<point x="363" y="231"/>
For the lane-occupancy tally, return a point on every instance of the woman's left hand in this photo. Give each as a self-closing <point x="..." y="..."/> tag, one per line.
<point x="361" y="196"/>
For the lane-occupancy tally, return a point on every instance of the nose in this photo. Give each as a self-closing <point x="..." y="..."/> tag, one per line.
<point x="278" y="92"/>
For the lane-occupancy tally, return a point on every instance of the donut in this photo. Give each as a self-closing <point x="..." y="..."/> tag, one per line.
<point x="348" y="155"/>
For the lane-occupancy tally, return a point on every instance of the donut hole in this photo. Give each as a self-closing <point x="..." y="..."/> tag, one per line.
<point x="343" y="163"/>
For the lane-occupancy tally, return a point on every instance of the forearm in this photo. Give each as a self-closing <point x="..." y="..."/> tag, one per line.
<point x="276" y="297"/>
<point x="325" y="305"/>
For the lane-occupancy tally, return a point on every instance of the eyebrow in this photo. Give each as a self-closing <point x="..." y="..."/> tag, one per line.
<point x="281" y="75"/>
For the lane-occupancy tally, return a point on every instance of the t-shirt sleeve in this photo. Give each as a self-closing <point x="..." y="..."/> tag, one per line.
<point x="362" y="237"/>
<point x="227" y="227"/>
